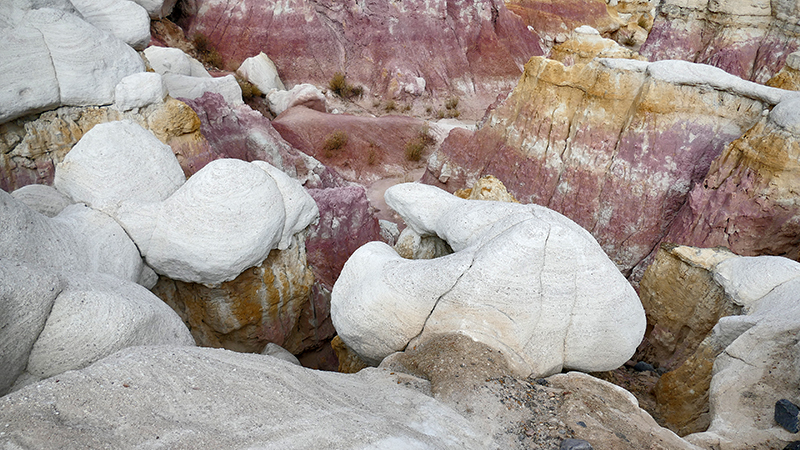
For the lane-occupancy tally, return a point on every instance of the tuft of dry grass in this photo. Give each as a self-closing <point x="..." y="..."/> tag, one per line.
<point x="249" y="90"/>
<point x="206" y="51"/>
<point x="339" y="86"/>
<point x="416" y="147"/>
<point x="333" y="142"/>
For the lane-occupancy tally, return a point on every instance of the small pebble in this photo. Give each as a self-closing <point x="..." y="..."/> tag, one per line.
<point x="642" y="366"/>
<point x="575" y="444"/>
<point x="786" y="415"/>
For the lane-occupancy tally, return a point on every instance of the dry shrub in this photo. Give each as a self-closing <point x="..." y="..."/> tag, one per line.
<point x="416" y="147"/>
<point x="334" y="142"/>
<point x="249" y="90"/>
<point x="206" y="51"/>
<point x="339" y="86"/>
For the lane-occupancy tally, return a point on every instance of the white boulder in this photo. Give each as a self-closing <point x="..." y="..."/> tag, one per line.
<point x="51" y="57"/>
<point x="139" y="90"/>
<point x="27" y="293"/>
<point x="300" y="208"/>
<point x="261" y="71"/>
<point x="189" y="87"/>
<point x="523" y="279"/>
<point x="225" y="218"/>
<point x="302" y="94"/>
<point x="42" y="198"/>
<point x="123" y="18"/>
<point x="117" y="162"/>
<point x="96" y="315"/>
<point x="760" y="363"/>
<point x="78" y="239"/>
<point x="166" y="60"/>
<point x="157" y="9"/>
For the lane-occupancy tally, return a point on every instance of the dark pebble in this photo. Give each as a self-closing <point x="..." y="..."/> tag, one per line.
<point x="542" y="382"/>
<point x="581" y="423"/>
<point x="642" y="366"/>
<point x="786" y="415"/>
<point x="575" y="444"/>
<point x="792" y="446"/>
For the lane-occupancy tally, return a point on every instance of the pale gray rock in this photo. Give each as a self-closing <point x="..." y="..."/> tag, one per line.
<point x="276" y="351"/>
<point x="302" y="94"/>
<point x="189" y="397"/>
<point x="189" y="87"/>
<point x="27" y="293"/>
<point x="166" y="60"/>
<point x="786" y="114"/>
<point x="761" y="361"/>
<point x="124" y="19"/>
<point x="225" y="218"/>
<point x="300" y="208"/>
<point x="78" y="239"/>
<point x="118" y="162"/>
<point x="96" y="315"/>
<point x="261" y="71"/>
<point x="51" y="57"/>
<point x="42" y="198"/>
<point x="523" y="279"/>
<point x="157" y="9"/>
<point x="139" y="90"/>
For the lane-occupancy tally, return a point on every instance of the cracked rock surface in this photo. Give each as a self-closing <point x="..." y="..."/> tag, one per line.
<point x="522" y="279"/>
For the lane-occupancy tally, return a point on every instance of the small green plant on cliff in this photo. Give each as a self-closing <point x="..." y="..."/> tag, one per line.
<point x="416" y="147"/>
<point x="333" y="142"/>
<point x="249" y="90"/>
<point x="206" y="52"/>
<point x="339" y="86"/>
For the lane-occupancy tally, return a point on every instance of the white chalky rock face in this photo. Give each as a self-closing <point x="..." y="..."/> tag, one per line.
<point x="225" y="218"/>
<point x="42" y="198"/>
<point x="124" y="19"/>
<point x="523" y="279"/>
<point x="261" y="71"/>
<point x="300" y="208"/>
<point x="157" y="9"/>
<point x="139" y="90"/>
<point x="173" y="60"/>
<point x="190" y="87"/>
<point x="96" y="315"/>
<point x="52" y="57"/>
<point x="280" y="101"/>
<point x="118" y="162"/>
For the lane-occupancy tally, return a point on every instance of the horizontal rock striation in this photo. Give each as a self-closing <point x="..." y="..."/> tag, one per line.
<point x="748" y="39"/>
<point x="459" y="46"/>
<point x="614" y="144"/>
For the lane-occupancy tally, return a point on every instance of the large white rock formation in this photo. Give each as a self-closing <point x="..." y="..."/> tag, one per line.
<point x="118" y="162"/>
<point x="51" y="57"/>
<point x="760" y="363"/>
<point x="261" y="71"/>
<point x="523" y="279"/>
<point x="166" y="60"/>
<point x="124" y="19"/>
<point x="190" y="397"/>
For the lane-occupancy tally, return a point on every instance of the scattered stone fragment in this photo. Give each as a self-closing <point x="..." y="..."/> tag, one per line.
<point x="575" y="444"/>
<point x="642" y="366"/>
<point x="786" y="415"/>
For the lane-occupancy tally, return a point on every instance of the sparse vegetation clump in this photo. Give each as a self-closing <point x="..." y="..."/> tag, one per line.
<point x="206" y="52"/>
<point x="339" y="86"/>
<point x="249" y="90"/>
<point x="450" y="110"/>
<point x="390" y="106"/>
<point x="333" y="142"/>
<point x="416" y="147"/>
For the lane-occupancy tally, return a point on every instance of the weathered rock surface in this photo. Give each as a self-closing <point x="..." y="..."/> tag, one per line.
<point x="202" y="397"/>
<point x="50" y="58"/>
<point x="243" y="133"/>
<point x="27" y="293"/>
<point x="93" y="317"/>
<point x="585" y="44"/>
<point x="157" y="8"/>
<point x="118" y="162"/>
<point x="361" y="149"/>
<point x="261" y="305"/>
<point x="225" y="218"/>
<point x="615" y="144"/>
<point x="300" y="95"/>
<point x="166" y="60"/>
<point x="43" y="199"/>
<point x="77" y="239"/>
<point x="479" y="45"/>
<point x="747" y="39"/>
<point x="126" y="20"/>
<point x="261" y="71"/>
<point x="31" y="148"/>
<point x="789" y="76"/>
<point x="518" y="274"/>
<point x="139" y="90"/>
<point x="747" y="202"/>
<point x="190" y="87"/>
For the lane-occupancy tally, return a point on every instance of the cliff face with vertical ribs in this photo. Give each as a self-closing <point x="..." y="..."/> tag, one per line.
<point x="614" y="144"/>
<point x="466" y="47"/>
<point x="747" y="39"/>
